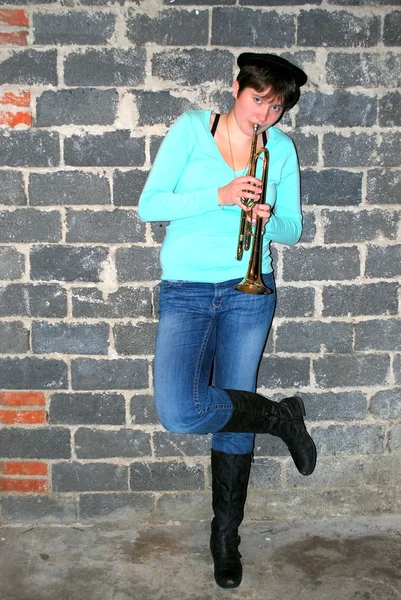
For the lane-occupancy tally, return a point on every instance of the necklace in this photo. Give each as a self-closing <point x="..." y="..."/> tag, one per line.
<point x="231" y="152"/>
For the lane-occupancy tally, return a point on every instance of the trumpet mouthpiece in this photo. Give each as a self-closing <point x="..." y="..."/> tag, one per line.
<point x="255" y="128"/>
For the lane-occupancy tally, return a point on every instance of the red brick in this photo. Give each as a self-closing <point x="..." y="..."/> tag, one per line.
<point x="14" y="17"/>
<point x="23" y="468"/>
<point x="13" y="119"/>
<point x="14" y="38"/>
<point x="22" y="399"/>
<point x="10" y="417"/>
<point x="16" y="98"/>
<point x="23" y="485"/>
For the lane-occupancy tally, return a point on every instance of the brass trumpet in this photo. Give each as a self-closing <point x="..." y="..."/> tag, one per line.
<point x="253" y="282"/>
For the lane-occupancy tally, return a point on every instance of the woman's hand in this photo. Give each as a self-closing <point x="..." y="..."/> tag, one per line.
<point x="241" y="187"/>
<point x="260" y="210"/>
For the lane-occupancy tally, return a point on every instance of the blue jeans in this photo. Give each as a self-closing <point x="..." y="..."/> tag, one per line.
<point x="208" y="333"/>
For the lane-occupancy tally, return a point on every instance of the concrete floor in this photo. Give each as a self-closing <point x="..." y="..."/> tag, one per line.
<point x="337" y="559"/>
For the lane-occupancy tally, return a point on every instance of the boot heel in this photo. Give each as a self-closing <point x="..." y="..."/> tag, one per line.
<point x="301" y="405"/>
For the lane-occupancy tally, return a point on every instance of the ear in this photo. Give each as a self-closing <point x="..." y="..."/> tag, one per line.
<point x="235" y="89"/>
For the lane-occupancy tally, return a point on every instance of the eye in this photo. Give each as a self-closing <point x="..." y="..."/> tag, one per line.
<point x="257" y="99"/>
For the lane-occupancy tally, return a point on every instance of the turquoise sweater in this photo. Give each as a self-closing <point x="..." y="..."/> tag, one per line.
<point x="201" y="239"/>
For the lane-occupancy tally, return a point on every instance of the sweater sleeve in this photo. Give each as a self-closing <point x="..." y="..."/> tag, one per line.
<point x="285" y="224"/>
<point x="159" y="200"/>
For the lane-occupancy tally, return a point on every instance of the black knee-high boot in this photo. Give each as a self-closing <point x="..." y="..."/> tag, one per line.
<point x="230" y="475"/>
<point x="257" y="414"/>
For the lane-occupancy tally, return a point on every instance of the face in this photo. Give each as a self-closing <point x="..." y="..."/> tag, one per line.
<point x="252" y="107"/>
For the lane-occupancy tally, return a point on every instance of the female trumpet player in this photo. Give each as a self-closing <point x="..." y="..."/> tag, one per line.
<point x="208" y="331"/>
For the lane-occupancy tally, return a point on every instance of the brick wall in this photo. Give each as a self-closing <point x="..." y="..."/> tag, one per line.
<point x="87" y="91"/>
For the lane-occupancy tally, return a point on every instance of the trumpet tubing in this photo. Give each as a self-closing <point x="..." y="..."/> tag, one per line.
<point x="253" y="282"/>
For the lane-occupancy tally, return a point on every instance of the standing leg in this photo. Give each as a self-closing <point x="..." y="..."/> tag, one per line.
<point x="242" y="329"/>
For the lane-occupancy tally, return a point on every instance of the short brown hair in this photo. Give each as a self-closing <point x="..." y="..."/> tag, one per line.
<point x="261" y="78"/>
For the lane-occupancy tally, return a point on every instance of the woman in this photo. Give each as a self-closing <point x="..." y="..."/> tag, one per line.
<point x="209" y="332"/>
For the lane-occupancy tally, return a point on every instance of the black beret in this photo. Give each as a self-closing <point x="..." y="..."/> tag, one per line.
<point x="272" y="60"/>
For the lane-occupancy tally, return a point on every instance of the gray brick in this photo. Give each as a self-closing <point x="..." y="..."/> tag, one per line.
<point x="12" y="192"/>
<point x="127" y="186"/>
<point x="392" y="29"/>
<point x="123" y="506"/>
<point x="176" y="444"/>
<point x="276" y="2"/>
<point x="137" y="264"/>
<point x="67" y="263"/>
<point x="369" y="70"/>
<point x="159" y="107"/>
<point x="68" y="187"/>
<point x="367" y="338"/>
<point x="383" y="261"/>
<point x="221" y="101"/>
<point x="389" y="149"/>
<point x="200" y="2"/>
<point x="138" y="338"/>
<point x="250" y="27"/>
<point x="194" y="66"/>
<point x="29" y="67"/>
<point x="40" y="442"/>
<point x="143" y="410"/>
<point x="394" y="438"/>
<point x="331" y="187"/>
<point x="341" y="109"/>
<point x="352" y="370"/>
<point x="155" y="142"/>
<point x="319" y="27"/>
<point x="125" y="302"/>
<point x="14" y="338"/>
<point x="308" y="227"/>
<point x="92" y="443"/>
<point x="314" y="336"/>
<point x="335" y="406"/>
<point x="397" y="369"/>
<point x="109" y="227"/>
<point x="295" y="302"/>
<point x="169" y="28"/>
<point x="283" y="372"/>
<point x="265" y="474"/>
<point x="70" y="338"/>
<point x="166" y="476"/>
<point x="32" y="374"/>
<point x="74" y="27"/>
<point x="321" y="264"/>
<point x="112" y="148"/>
<point x="89" y="477"/>
<point x="381" y="470"/>
<point x="87" y="409"/>
<point x="386" y="404"/>
<point x="390" y="109"/>
<point x="307" y="145"/>
<point x="383" y="186"/>
<point x="353" y="150"/>
<point x="27" y="225"/>
<point x="76" y="107"/>
<point x="39" y="509"/>
<point x="116" y="374"/>
<point x="27" y="300"/>
<point x="105" y="67"/>
<point x="361" y="226"/>
<point x="158" y="231"/>
<point x="364" y="299"/>
<point x="183" y="506"/>
<point x="329" y="473"/>
<point x="12" y="263"/>
<point x="339" y="440"/>
<point x="29" y="149"/>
